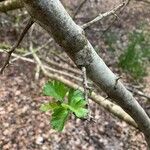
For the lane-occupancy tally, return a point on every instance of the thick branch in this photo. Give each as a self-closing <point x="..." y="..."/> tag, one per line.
<point x="52" y="16"/>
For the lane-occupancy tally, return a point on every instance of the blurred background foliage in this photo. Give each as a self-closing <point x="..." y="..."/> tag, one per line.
<point x="134" y="58"/>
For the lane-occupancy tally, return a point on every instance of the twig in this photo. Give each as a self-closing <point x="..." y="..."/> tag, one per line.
<point x="102" y="16"/>
<point x="37" y="73"/>
<point x="85" y="85"/>
<point x="140" y="93"/>
<point x="38" y="68"/>
<point x="86" y="91"/>
<point x="79" y="8"/>
<point x="110" y="25"/>
<point x="116" y="17"/>
<point x="19" y="57"/>
<point x="51" y="62"/>
<point x="64" y="73"/>
<point x="145" y="1"/>
<point x="27" y="27"/>
<point x="38" y="49"/>
<point x="38" y="60"/>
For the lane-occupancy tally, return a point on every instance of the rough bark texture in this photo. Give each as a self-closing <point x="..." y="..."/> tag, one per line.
<point x="52" y="16"/>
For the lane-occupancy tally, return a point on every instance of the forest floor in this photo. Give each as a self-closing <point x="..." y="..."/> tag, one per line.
<point x="24" y="127"/>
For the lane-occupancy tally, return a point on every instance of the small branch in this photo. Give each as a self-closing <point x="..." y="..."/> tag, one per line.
<point x="64" y="73"/>
<point x="16" y="45"/>
<point x="85" y="84"/>
<point x="140" y="93"/>
<point x="102" y="16"/>
<point x="38" y="49"/>
<point x="105" y="30"/>
<point x="70" y="69"/>
<point x="145" y="1"/>
<point x="86" y="91"/>
<point x="19" y="57"/>
<point x="37" y="73"/>
<point x="116" y="17"/>
<point x="79" y="8"/>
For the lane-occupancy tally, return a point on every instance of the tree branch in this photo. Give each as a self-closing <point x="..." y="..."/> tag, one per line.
<point x="79" y="8"/>
<point x="52" y="16"/>
<point x="102" y="16"/>
<point x="27" y="27"/>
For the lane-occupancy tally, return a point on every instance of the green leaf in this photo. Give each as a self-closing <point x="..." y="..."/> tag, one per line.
<point x="49" y="106"/>
<point x="74" y="94"/>
<point x="77" y="103"/>
<point x="59" y="118"/>
<point x="60" y="109"/>
<point x="55" y="89"/>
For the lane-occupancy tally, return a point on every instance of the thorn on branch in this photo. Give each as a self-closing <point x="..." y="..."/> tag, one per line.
<point x="107" y="97"/>
<point x="27" y="27"/>
<point x="116" y="16"/>
<point x="115" y="87"/>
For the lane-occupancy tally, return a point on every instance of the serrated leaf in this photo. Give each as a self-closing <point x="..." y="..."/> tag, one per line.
<point x="76" y="103"/>
<point x="49" y="106"/>
<point x="55" y="89"/>
<point x="59" y="118"/>
<point x="75" y="94"/>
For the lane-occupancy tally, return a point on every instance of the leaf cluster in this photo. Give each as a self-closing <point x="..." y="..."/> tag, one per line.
<point x="65" y="101"/>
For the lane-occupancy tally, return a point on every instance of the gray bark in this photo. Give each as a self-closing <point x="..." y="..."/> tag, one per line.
<point x="52" y="16"/>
